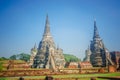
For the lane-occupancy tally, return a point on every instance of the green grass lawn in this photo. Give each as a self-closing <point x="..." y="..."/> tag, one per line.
<point x="80" y="76"/>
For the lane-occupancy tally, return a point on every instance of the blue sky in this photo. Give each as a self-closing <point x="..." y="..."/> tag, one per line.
<point x="22" y="24"/>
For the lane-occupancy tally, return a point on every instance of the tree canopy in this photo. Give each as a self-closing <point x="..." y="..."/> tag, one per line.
<point x="3" y="58"/>
<point x="22" y="56"/>
<point x="71" y="58"/>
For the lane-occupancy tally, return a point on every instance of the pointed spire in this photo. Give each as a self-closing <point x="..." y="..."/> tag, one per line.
<point x="96" y="34"/>
<point x="35" y="47"/>
<point x="88" y="47"/>
<point x="47" y="27"/>
<point x="57" y="46"/>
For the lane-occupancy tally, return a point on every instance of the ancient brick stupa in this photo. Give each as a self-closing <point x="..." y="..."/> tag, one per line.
<point x="100" y="56"/>
<point x="87" y="55"/>
<point x="48" y="56"/>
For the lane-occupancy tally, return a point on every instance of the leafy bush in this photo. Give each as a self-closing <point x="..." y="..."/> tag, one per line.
<point x="1" y="66"/>
<point x="3" y="58"/>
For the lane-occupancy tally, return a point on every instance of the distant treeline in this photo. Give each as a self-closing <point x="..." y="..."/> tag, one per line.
<point x="21" y="56"/>
<point x="26" y="57"/>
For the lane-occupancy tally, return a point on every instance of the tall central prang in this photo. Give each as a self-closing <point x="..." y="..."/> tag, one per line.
<point x="48" y="56"/>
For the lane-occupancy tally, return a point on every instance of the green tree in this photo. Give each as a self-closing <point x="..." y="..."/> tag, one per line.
<point x="13" y="57"/>
<point x="21" y="56"/>
<point x="71" y="58"/>
<point x="1" y="66"/>
<point x="24" y="56"/>
<point x="3" y="58"/>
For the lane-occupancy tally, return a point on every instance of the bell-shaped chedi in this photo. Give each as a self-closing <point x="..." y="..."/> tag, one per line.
<point x="48" y="56"/>
<point x="100" y="56"/>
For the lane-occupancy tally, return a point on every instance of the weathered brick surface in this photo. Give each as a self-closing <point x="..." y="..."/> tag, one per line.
<point x="12" y="73"/>
<point x="111" y="68"/>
